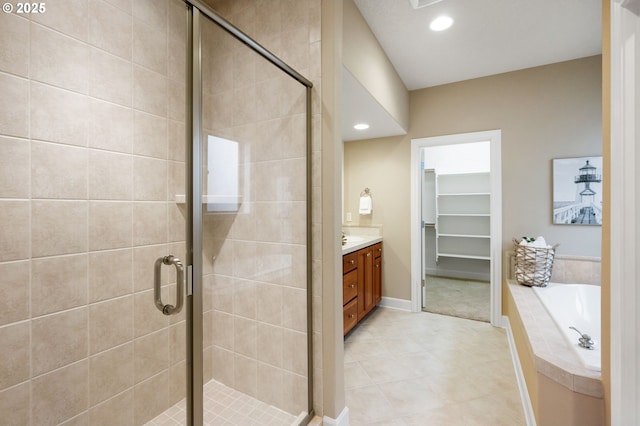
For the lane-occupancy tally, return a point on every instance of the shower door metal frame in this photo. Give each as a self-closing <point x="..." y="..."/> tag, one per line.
<point x="194" y="229"/>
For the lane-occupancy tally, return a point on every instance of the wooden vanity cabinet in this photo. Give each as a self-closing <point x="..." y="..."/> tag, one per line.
<point x="361" y="283"/>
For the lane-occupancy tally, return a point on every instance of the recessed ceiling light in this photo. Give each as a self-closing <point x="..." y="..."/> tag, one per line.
<point x="441" y="23"/>
<point x="361" y="126"/>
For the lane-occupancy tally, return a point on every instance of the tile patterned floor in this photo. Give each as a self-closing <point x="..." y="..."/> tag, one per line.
<point x="228" y="407"/>
<point x="426" y="369"/>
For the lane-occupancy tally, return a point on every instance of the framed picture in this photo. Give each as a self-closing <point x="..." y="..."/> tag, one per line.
<point x="577" y="191"/>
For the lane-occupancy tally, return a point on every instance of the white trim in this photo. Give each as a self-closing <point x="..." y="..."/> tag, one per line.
<point x="625" y="182"/>
<point x="342" y="420"/>
<point x="495" y="137"/>
<point x="393" y="303"/>
<point x="529" y="416"/>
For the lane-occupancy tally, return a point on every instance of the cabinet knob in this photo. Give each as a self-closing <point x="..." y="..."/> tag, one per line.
<point x="377" y="266"/>
<point x="352" y="315"/>
<point x="352" y="261"/>
<point x="352" y="286"/>
<point x="368" y="254"/>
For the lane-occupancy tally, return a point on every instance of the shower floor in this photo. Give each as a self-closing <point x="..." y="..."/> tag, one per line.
<point x="226" y="406"/>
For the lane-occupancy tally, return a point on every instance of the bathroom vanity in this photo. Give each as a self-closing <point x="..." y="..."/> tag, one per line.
<point x="361" y="279"/>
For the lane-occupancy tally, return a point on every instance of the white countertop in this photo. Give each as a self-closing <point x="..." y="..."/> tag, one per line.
<point x="359" y="242"/>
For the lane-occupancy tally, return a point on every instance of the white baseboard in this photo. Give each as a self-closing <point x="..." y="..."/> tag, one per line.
<point x="529" y="417"/>
<point x="342" y="420"/>
<point x="463" y="275"/>
<point x="393" y="303"/>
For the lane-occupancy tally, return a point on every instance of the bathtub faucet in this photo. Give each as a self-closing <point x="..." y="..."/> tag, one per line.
<point x="585" y="341"/>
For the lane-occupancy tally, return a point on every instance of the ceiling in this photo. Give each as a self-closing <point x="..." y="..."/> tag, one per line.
<point x="487" y="37"/>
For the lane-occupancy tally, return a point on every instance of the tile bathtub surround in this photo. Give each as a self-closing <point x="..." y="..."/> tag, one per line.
<point x="406" y="368"/>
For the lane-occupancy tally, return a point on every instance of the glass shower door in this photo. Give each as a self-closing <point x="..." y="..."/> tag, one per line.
<point x="254" y="235"/>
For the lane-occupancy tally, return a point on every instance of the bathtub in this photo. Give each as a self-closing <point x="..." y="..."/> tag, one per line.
<point x="576" y="305"/>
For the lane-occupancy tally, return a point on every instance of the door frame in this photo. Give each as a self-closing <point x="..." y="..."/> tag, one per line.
<point x="494" y="137"/>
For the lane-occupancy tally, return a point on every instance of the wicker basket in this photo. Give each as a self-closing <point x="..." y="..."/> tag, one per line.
<point x="534" y="264"/>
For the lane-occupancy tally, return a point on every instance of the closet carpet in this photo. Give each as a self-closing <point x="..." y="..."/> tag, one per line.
<point x="458" y="298"/>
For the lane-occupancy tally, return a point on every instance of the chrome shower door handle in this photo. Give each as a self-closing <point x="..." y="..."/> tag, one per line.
<point x="157" y="292"/>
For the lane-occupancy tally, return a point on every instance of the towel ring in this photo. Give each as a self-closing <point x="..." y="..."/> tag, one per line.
<point x="366" y="193"/>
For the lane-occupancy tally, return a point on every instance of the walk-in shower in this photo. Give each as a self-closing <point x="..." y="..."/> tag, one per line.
<point x="156" y="173"/>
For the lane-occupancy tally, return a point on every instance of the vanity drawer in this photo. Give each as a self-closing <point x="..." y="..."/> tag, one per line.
<point x="350" y="318"/>
<point x="349" y="262"/>
<point x="377" y="250"/>
<point x="349" y="286"/>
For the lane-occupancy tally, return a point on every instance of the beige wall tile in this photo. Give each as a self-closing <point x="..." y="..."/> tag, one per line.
<point x="15" y="404"/>
<point x="270" y="306"/>
<point x="58" y="227"/>
<point x="58" y="283"/>
<point x="149" y="91"/>
<point x="245" y="299"/>
<point x="58" y="60"/>
<point x="295" y="309"/>
<point x="223" y="366"/>
<point x="177" y="383"/>
<point x="151" y="398"/>
<point x="117" y="410"/>
<point x="79" y="420"/>
<point x="245" y="337"/>
<point x="53" y="345"/>
<point x="177" y="102"/>
<point x="58" y="171"/>
<point x="111" y="78"/>
<point x="270" y="381"/>
<point x="246" y="375"/>
<point x="60" y="395"/>
<point x="177" y="39"/>
<point x="177" y="140"/>
<point x="110" y="176"/>
<point x="14" y="355"/>
<point x="223" y="289"/>
<point x="150" y="46"/>
<point x="294" y="393"/>
<point x="152" y="12"/>
<point x="151" y="355"/>
<point x="125" y="5"/>
<point x="110" y="373"/>
<point x="149" y="179"/>
<point x="14" y="239"/>
<point x="177" y="343"/>
<point x="177" y="221"/>
<point x="14" y="291"/>
<point x="294" y="348"/>
<point x="15" y="106"/>
<point x="109" y="225"/>
<point x="110" y="127"/>
<point x="68" y="17"/>
<point x="244" y="259"/>
<point x="270" y="344"/>
<point x="110" y="323"/>
<point x="223" y="330"/>
<point x="55" y="115"/>
<point x="149" y="223"/>
<point x="14" y="42"/>
<point x="146" y="317"/>
<point x="110" y="28"/>
<point x="110" y="274"/>
<point x="144" y="259"/>
<point x="14" y="168"/>
<point x="295" y="268"/>
<point x="149" y="135"/>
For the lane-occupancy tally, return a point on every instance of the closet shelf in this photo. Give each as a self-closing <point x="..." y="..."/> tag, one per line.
<point x="462" y="194"/>
<point x="464" y="214"/>
<point x="212" y="199"/>
<point x="463" y="236"/>
<point x="464" y="256"/>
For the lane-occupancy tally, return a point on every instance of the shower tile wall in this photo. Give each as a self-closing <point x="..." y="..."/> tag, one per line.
<point x="92" y="129"/>
<point x="255" y="259"/>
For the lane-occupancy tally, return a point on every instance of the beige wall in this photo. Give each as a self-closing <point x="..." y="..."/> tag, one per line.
<point x="546" y="112"/>
<point x="364" y="58"/>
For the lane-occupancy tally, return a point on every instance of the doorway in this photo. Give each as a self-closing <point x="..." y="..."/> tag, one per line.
<point x="455" y="225"/>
